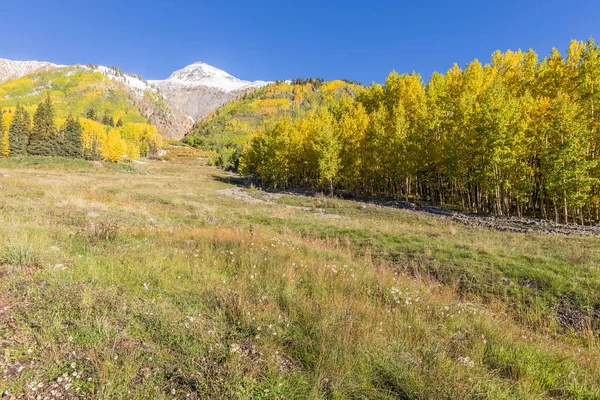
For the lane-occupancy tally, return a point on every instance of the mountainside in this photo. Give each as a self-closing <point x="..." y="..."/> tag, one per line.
<point x="76" y="89"/>
<point x="109" y="120"/>
<point x="199" y="89"/>
<point x="10" y="69"/>
<point x="173" y="105"/>
<point x="230" y="127"/>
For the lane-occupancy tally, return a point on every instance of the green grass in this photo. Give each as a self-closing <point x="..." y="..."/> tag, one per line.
<point x="153" y="285"/>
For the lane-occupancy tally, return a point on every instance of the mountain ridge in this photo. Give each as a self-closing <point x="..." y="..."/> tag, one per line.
<point x="203" y="74"/>
<point x="199" y="89"/>
<point x="12" y="69"/>
<point x="193" y="91"/>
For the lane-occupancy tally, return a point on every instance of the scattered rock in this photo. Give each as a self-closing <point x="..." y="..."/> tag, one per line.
<point x="239" y="194"/>
<point x="93" y="214"/>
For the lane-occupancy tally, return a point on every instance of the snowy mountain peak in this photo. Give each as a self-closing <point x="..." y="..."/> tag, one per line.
<point x="202" y="74"/>
<point x="10" y="69"/>
<point x="200" y="71"/>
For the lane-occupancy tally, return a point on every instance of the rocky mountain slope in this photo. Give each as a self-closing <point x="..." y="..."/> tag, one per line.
<point x="10" y="69"/>
<point x="173" y="105"/>
<point x="199" y="89"/>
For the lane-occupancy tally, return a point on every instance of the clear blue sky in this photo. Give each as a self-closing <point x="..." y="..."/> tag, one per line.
<point x="361" y="40"/>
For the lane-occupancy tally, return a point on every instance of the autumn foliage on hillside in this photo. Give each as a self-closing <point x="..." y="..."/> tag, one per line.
<point x="72" y="112"/>
<point x="229" y="128"/>
<point x="47" y="135"/>
<point x="517" y="136"/>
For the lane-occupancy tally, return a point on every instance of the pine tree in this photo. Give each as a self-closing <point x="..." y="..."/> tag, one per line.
<point x="73" y="144"/>
<point x="119" y="123"/>
<point x="108" y="120"/>
<point x="91" y="114"/>
<point x="43" y="138"/>
<point x="18" y="132"/>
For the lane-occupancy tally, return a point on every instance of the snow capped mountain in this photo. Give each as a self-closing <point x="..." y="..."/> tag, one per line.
<point x="199" y="89"/>
<point x="10" y="69"/>
<point x="204" y="75"/>
<point x="190" y="93"/>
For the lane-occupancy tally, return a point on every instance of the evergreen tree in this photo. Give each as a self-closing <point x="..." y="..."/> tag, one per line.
<point x="72" y="141"/>
<point x="91" y="114"/>
<point x="108" y="120"/>
<point x="43" y="138"/>
<point x="18" y="132"/>
<point x="119" y="122"/>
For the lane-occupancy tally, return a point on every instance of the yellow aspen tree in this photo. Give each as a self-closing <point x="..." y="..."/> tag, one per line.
<point x="4" y="143"/>
<point x="114" y="148"/>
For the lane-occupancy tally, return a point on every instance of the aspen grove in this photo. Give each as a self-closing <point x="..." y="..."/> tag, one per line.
<point x="517" y="136"/>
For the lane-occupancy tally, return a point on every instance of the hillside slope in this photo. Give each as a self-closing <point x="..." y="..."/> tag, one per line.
<point x="173" y="104"/>
<point x="77" y="89"/>
<point x="229" y="128"/>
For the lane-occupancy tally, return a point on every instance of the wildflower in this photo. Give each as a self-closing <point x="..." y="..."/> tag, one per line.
<point x="466" y="361"/>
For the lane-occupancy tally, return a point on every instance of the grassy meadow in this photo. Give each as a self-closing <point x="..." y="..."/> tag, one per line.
<point x="147" y="281"/>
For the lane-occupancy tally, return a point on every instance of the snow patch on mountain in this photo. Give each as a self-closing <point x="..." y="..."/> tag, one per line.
<point x="139" y="85"/>
<point x="10" y="69"/>
<point x="204" y="75"/>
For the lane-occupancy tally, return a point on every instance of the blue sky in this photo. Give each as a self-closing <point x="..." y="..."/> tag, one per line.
<point x="360" y="40"/>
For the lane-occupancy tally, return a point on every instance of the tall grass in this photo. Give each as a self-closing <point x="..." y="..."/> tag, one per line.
<point x="196" y="295"/>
